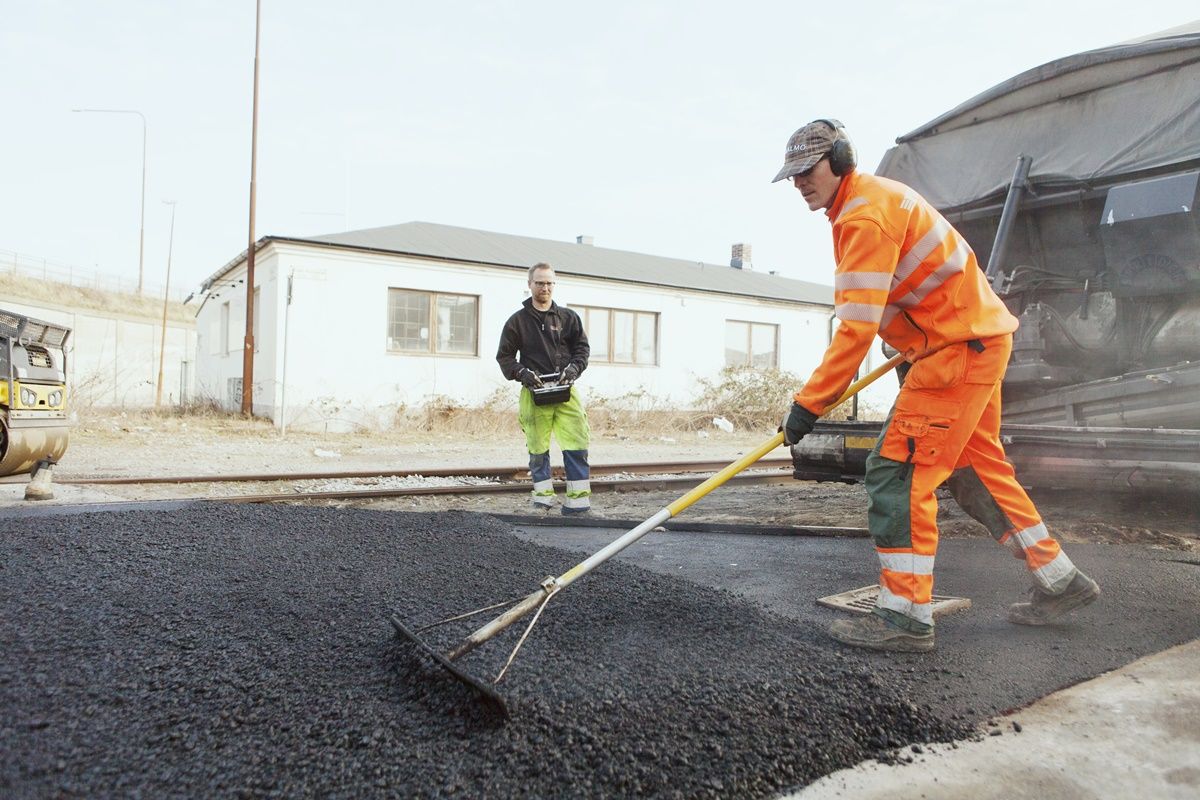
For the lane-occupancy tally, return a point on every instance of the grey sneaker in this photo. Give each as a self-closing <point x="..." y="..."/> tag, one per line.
<point x="1044" y="608"/>
<point x="876" y="633"/>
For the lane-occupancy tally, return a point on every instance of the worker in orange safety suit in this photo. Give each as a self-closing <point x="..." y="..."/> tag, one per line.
<point x="904" y="274"/>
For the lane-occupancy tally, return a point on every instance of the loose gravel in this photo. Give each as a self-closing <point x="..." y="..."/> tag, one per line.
<point x="245" y="651"/>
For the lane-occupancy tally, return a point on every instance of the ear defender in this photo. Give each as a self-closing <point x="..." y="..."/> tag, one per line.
<point x="842" y="158"/>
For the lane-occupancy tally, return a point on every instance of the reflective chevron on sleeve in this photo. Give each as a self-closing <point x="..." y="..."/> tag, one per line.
<point x="920" y="251"/>
<point x="844" y="281"/>
<point x="858" y="312"/>
<point x="851" y="204"/>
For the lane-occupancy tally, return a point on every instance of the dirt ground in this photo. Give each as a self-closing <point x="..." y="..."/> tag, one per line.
<point x="206" y="444"/>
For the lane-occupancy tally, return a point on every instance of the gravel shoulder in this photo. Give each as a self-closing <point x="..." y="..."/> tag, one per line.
<point x="210" y="445"/>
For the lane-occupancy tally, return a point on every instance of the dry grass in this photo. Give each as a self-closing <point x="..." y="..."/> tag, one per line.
<point x="752" y="400"/>
<point x="22" y="288"/>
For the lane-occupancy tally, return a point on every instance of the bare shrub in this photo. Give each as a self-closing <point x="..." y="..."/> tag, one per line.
<point x="637" y="409"/>
<point x="758" y="398"/>
<point x="747" y="397"/>
<point x="441" y="414"/>
<point x="84" y="392"/>
<point x="206" y="406"/>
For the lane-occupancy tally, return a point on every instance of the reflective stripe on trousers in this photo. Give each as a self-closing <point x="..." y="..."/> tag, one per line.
<point x="567" y="423"/>
<point x="946" y="420"/>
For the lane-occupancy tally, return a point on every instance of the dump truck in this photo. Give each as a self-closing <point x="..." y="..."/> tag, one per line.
<point x="1076" y="184"/>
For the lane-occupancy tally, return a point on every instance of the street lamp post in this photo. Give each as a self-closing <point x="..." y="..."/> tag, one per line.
<point x="162" y="347"/>
<point x="142" y="228"/>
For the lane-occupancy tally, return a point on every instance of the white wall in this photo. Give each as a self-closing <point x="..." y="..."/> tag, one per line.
<point x="340" y="372"/>
<point x="112" y="360"/>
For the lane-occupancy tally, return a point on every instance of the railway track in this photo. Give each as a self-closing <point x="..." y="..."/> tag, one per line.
<point x="486" y="480"/>
<point x="634" y="477"/>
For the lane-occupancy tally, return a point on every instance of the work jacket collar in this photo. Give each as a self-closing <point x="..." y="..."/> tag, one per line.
<point x="843" y="192"/>
<point x="528" y="303"/>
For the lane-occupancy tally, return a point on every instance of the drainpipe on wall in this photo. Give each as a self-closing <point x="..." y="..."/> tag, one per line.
<point x="287" y="315"/>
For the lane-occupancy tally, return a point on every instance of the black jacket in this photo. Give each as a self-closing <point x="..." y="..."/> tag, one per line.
<point x="547" y="340"/>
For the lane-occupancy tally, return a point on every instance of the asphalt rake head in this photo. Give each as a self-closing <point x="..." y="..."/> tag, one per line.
<point x="487" y="695"/>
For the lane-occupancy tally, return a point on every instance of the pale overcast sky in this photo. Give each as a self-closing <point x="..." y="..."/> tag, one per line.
<point x="651" y="126"/>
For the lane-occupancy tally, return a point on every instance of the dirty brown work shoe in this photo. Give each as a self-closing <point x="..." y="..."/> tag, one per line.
<point x="1044" y="608"/>
<point x="876" y="633"/>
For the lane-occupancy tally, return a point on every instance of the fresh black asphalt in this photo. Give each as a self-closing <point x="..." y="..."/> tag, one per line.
<point x="230" y="650"/>
<point x="983" y="665"/>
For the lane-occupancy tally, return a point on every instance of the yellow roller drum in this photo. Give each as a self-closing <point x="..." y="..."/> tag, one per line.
<point x="23" y="443"/>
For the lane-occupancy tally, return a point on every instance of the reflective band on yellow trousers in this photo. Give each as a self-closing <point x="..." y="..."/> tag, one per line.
<point x="946" y="425"/>
<point x="569" y="425"/>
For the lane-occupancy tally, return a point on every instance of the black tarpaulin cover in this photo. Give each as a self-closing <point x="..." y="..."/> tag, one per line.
<point x="1084" y="119"/>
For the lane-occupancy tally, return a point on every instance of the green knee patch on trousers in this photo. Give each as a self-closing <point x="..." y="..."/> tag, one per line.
<point x="974" y="498"/>
<point x="889" y="490"/>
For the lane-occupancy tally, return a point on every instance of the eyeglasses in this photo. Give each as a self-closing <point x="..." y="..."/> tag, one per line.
<point x="805" y="173"/>
<point x="543" y="284"/>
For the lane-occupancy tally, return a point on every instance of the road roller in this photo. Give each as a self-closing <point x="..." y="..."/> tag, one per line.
<point x="33" y="393"/>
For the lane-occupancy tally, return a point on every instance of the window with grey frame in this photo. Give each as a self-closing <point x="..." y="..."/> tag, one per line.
<point x="751" y="344"/>
<point x="434" y="323"/>
<point x="620" y="336"/>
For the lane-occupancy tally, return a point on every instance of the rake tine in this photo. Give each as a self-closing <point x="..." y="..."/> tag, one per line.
<point x="468" y="614"/>
<point x="524" y="635"/>
<point x="536" y="601"/>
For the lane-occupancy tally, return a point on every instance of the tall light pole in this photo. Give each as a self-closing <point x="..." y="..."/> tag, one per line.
<point x="142" y="227"/>
<point x="162" y="347"/>
<point x="248" y="344"/>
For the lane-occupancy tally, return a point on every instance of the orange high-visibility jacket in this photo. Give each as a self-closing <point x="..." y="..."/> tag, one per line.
<point x="902" y="273"/>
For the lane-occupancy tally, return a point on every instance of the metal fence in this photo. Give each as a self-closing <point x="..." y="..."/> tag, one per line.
<point x="46" y="270"/>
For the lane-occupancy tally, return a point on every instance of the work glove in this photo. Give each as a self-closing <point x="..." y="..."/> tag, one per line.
<point x="529" y="378"/>
<point x="797" y="424"/>
<point x="569" y="375"/>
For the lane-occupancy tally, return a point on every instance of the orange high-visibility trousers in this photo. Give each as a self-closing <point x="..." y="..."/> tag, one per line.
<point x="945" y="424"/>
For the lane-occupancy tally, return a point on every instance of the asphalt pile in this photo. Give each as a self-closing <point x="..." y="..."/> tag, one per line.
<point x="237" y="650"/>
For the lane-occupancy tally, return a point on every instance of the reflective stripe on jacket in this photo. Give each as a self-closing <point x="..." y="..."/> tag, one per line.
<point x="903" y="273"/>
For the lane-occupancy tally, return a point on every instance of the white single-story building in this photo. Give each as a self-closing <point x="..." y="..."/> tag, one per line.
<point x="351" y="327"/>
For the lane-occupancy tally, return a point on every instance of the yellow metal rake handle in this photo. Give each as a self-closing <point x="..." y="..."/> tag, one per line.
<point x="769" y="445"/>
<point x="538" y="598"/>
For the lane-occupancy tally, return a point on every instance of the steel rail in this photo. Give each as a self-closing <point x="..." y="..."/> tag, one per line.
<point x="499" y="473"/>
<point x="513" y="487"/>
<point x="637" y="484"/>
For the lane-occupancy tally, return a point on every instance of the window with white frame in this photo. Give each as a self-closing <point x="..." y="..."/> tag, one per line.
<point x="751" y="344"/>
<point x="620" y="336"/>
<point x="432" y="322"/>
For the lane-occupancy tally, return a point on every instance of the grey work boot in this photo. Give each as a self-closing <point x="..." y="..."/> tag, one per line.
<point x="1044" y="608"/>
<point x="876" y="633"/>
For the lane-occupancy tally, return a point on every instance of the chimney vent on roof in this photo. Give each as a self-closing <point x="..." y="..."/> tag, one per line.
<point x="741" y="257"/>
<point x="581" y="239"/>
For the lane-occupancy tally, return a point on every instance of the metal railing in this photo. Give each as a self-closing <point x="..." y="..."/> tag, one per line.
<point x="38" y="268"/>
